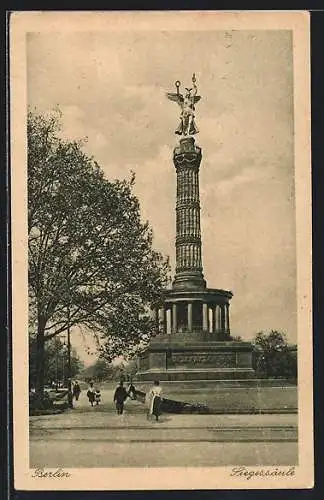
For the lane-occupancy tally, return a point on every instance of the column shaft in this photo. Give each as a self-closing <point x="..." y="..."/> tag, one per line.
<point x="161" y="320"/>
<point x="168" y="325"/>
<point x="205" y="317"/>
<point x="213" y="329"/>
<point x="190" y="317"/>
<point x="222" y="318"/>
<point x="219" y="318"/>
<point x="227" y="319"/>
<point x="157" y="320"/>
<point x="174" y="318"/>
<point x="210" y="319"/>
<point x="187" y="158"/>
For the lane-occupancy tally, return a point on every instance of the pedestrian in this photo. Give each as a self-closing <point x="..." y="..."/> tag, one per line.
<point x="120" y="397"/>
<point x="76" y="390"/>
<point x="91" y="393"/>
<point x="131" y="390"/>
<point x="97" y="396"/>
<point x="155" y="400"/>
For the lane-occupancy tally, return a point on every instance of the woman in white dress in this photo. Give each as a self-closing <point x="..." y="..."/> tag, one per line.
<point x="154" y="400"/>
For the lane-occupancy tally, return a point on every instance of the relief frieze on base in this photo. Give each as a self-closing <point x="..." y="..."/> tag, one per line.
<point x="217" y="360"/>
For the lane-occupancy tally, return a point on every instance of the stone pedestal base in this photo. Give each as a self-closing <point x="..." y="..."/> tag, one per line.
<point x="195" y="375"/>
<point x="187" y="358"/>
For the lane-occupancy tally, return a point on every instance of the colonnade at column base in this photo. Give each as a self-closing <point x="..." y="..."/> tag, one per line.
<point x="192" y="339"/>
<point x="194" y="310"/>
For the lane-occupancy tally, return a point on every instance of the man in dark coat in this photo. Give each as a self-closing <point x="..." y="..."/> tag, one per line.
<point x="76" y="390"/>
<point x="119" y="398"/>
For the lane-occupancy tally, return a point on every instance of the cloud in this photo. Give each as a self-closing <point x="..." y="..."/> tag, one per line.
<point x="247" y="176"/>
<point x="111" y="88"/>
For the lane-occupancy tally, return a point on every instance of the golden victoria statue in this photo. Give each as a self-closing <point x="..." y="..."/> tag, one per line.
<point x="187" y="103"/>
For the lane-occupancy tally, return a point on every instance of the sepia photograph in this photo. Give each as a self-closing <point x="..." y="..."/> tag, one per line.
<point x="161" y="250"/>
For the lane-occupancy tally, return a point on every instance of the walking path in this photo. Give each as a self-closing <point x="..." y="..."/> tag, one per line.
<point x="99" y="419"/>
<point x="104" y="416"/>
<point x="97" y="437"/>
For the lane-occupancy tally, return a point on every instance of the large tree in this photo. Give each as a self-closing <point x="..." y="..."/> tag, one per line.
<point x="273" y="356"/>
<point x="91" y="260"/>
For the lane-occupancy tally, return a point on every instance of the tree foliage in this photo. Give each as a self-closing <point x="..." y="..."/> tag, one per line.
<point x="99" y="371"/>
<point x="102" y="370"/>
<point x="55" y="362"/>
<point x="273" y="357"/>
<point x="91" y="260"/>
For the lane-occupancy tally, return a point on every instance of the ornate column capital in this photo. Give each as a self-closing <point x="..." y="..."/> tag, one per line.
<point x="187" y="154"/>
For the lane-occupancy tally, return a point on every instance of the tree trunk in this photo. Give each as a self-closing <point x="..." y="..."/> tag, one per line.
<point x="40" y="354"/>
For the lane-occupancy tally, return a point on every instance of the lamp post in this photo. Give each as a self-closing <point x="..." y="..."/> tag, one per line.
<point x="63" y="364"/>
<point x="56" y="370"/>
<point x="70" y="395"/>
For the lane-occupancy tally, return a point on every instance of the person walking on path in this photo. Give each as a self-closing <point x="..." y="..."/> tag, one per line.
<point x="131" y="390"/>
<point x="155" y="400"/>
<point x="120" y="397"/>
<point x="91" y="393"/>
<point x="76" y="390"/>
<point x="97" y="396"/>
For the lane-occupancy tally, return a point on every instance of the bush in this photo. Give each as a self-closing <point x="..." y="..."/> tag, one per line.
<point x="40" y="401"/>
<point x="273" y="357"/>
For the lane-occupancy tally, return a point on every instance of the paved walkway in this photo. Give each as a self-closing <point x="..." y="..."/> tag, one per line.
<point x="104" y="416"/>
<point x="98" y="437"/>
<point x="98" y="419"/>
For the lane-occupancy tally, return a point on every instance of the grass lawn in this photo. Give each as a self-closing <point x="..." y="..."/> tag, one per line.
<point x="229" y="399"/>
<point x="242" y="399"/>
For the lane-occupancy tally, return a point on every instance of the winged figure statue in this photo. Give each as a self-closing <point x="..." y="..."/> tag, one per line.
<point x="187" y="125"/>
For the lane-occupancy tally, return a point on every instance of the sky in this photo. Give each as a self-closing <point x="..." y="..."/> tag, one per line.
<point x="110" y="87"/>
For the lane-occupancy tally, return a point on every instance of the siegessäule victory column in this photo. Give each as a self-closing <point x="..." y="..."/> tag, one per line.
<point x="192" y="341"/>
